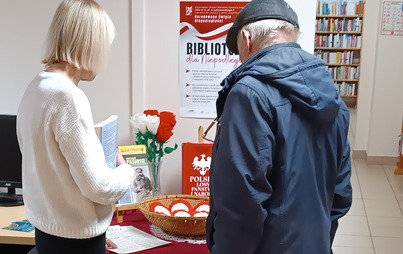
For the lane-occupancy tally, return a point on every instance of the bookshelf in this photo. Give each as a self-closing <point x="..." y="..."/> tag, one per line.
<point x="338" y="41"/>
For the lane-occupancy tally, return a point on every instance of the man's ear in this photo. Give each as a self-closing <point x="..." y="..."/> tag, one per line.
<point x="247" y="40"/>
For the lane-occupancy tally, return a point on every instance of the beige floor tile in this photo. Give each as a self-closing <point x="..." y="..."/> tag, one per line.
<point x="382" y="207"/>
<point x="357" y="207"/>
<point x="374" y="183"/>
<point x="396" y="181"/>
<point x="388" y="245"/>
<point x="352" y="241"/>
<point x="352" y="250"/>
<point x="377" y="191"/>
<point x="353" y="120"/>
<point x="399" y="198"/>
<point x="390" y="170"/>
<point x="386" y="226"/>
<point x="356" y="187"/>
<point x="362" y="166"/>
<point x="369" y="172"/>
<point x="397" y="186"/>
<point x="357" y="193"/>
<point x="353" y="225"/>
<point x="351" y="137"/>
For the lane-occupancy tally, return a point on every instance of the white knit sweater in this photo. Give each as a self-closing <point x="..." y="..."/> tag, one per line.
<point x="68" y="188"/>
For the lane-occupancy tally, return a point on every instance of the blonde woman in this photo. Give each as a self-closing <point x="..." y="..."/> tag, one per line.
<point x="68" y="188"/>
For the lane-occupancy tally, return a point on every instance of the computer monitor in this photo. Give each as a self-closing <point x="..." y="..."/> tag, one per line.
<point x="10" y="163"/>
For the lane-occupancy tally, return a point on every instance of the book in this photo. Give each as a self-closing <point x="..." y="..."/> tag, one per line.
<point x="22" y="226"/>
<point x="336" y="41"/>
<point x="351" y="9"/>
<point x="196" y="159"/>
<point x="136" y="156"/>
<point x="107" y="132"/>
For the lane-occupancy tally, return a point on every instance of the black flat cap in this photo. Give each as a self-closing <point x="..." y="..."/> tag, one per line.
<point x="257" y="10"/>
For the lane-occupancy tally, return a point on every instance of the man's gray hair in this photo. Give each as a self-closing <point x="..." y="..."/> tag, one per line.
<point x="266" y="32"/>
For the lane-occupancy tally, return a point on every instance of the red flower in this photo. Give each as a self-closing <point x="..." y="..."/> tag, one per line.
<point x="167" y="123"/>
<point x="151" y="112"/>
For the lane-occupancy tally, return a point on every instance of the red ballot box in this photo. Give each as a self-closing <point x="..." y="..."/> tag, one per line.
<point x="196" y="159"/>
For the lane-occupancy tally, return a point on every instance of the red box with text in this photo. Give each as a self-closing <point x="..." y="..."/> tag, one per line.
<point x="196" y="159"/>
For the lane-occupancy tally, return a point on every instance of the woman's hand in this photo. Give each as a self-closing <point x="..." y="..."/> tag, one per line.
<point x="119" y="159"/>
<point x="110" y="244"/>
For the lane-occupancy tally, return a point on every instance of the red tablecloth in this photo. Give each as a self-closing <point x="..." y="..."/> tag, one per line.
<point x="138" y="220"/>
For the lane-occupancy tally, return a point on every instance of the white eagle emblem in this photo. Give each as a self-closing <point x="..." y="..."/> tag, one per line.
<point x="189" y="10"/>
<point x="202" y="165"/>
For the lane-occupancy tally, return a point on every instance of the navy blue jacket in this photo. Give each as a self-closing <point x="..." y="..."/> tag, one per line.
<point x="280" y="171"/>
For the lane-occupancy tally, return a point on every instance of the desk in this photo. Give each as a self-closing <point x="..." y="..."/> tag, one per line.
<point x="11" y="214"/>
<point x="138" y="220"/>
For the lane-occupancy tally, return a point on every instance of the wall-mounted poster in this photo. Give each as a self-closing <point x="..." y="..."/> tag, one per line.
<point x="392" y="18"/>
<point x="204" y="59"/>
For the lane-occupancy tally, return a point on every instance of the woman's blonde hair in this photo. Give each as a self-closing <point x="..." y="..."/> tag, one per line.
<point x="80" y="34"/>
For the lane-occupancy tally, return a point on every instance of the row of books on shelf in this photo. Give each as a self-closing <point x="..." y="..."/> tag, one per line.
<point x="339" y="8"/>
<point x="338" y="25"/>
<point x="344" y="72"/>
<point x="340" y="57"/>
<point x="338" y="41"/>
<point x="346" y="89"/>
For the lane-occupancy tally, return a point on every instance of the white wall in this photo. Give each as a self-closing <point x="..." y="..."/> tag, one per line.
<point x="380" y="99"/>
<point x="367" y="75"/>
<point x="306" y="11"/>
<point x="23" y="27"/>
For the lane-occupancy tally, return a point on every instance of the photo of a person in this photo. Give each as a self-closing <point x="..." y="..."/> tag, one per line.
<point x="141" y="186"/>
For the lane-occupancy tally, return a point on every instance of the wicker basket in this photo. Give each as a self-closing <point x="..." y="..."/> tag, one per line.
<point x="178" y="225"/>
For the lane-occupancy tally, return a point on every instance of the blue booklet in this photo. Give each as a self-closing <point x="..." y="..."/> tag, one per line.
<point x="23" y="226"/>
<point x="107" y="132"/>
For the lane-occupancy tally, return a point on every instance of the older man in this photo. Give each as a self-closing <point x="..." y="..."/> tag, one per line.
<point x="280" y="173"/>
<point x="142" y="186"/>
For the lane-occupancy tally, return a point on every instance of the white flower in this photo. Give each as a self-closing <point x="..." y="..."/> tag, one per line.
<point x="152" y="123"/>
<point x="138" y="123"/>
<point x="141" y="122"/>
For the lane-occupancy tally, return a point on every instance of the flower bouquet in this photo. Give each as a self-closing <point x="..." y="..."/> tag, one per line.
<point x="153" y="129"/>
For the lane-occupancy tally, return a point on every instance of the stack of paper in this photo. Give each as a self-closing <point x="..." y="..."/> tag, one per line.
<point x="130" y="239"/>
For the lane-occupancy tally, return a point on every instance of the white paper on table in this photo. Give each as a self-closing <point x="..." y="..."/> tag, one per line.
<point x="130" y="239"/>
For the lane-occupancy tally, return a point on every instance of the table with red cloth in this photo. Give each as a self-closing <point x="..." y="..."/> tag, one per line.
<point x="137" y="220"/>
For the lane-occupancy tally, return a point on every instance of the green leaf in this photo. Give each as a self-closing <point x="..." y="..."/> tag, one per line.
<point x="155" y="149"/>
<point x="149" y="135"/>
<point x="169" y="150"/>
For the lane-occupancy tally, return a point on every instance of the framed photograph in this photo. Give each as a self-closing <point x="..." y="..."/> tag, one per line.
<point x="136" y="156"/>
<point x="142" y="187"/>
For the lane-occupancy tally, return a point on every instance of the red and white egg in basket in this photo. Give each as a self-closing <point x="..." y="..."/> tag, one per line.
<point x="181" y="208"/>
